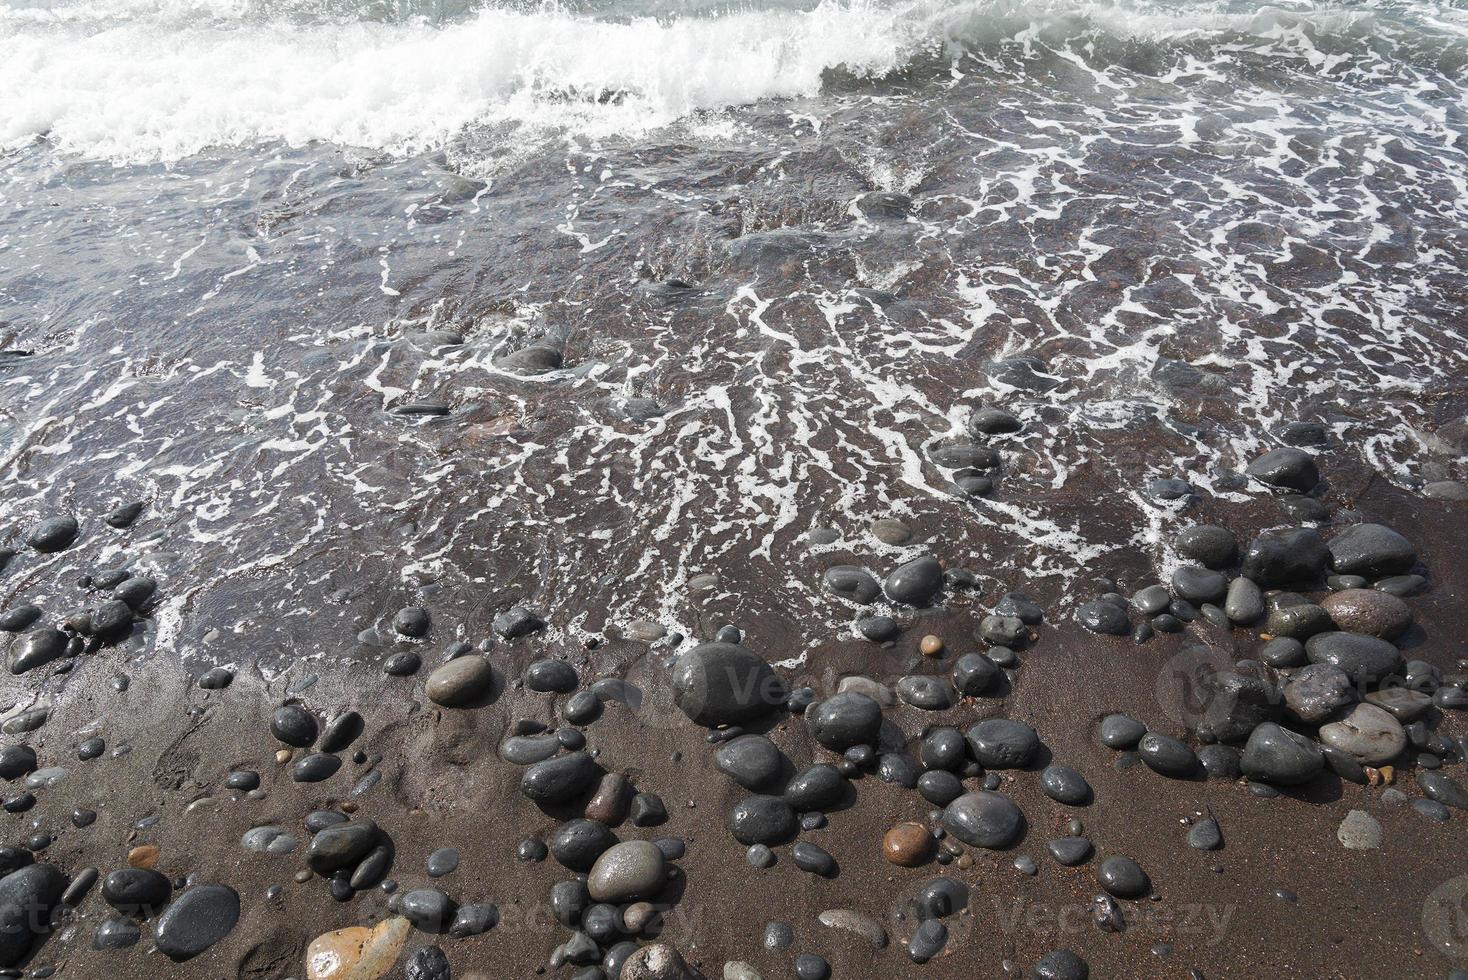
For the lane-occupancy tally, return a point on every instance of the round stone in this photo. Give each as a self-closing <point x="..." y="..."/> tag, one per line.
<point x="1368" y="611"/>
<point x="1121" y="732"/>
<point x="852" y="583"/>
<point x="916" y="582"/>
<point x="1365" y="659"/>
<point x="1198" y="584"/>
<point x="752" y="761"/>
<point x="294" y="725"/>
<point x="1281" y="757"/>
<point x="975" y="674"/>
<point x="724" y="684"/>
<point x="999" y="743"/>
<point x="1061" y="964"/>
<point x="765" y="820"/>
<point x="628" y="871"/>
<point x="1167" y="756"/>
<point x="1123" y="877"/>
<point x="196" y="920"/>
<point x="844" y="720"/>
<point x="462" y="682"/>
<point x="1064" y="785"/>
<point x="1369" y="734"/>
<point x="576" y="844"/>
<point x="820" y="788"/>
<point x="53" y="534"/>
<point x="1208" y="545"/>
<point x="1105" y="618"/>
<point x="551" y="677"/>
<point x="908" y="845"/>
<point x="984" y="819"/>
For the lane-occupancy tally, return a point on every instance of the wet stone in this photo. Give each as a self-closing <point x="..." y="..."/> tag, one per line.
<point x="984" y="819"/>
<point x="53" y="534"/>
<point x="443" y="861"/>
<point x="1000" y="743"/>
<point x="975" y="674"/>
<point x="1123" y="877"/>
<point x="1279" y="756"/>
<point x="1104" y="617"/>
<point x="1369" y="734"/>
<point x="724" y="684"/>
<point x="852" y="583"/>
<point x="927" y="941"/>
<point x="428" y="909"/>
<point x="765" y="820"/>
<point x="915" y="583"/>
<point x="551" y="677"/>
<point x="1167" y="756"/>
<point x="462" y="682"/>
<point x="1208" y="545"/>
<point x="1065" y="785"/>
<point x="1070" y="851"/>
<point x="1371" y="550"/>
<point x="1121" y="732"/>
<point x="926" y="692"/>
<point x="315" y="768"/>
<point x="1287" y="468"/>
<point x="561" y="779"/>
<point x="196" y="920"/>
<point x="1061" y="964"/>
<point x="814" y="859"/>
<point x="517" y="622"/>
<point x="844" y="720"/>
<point x="752" y="761"/>
<point x="1365" y="659"/>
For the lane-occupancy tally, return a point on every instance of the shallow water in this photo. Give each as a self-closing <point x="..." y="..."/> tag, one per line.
<point x="227" y="229"/>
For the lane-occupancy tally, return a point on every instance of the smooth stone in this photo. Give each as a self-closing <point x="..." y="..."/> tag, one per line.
<point x="941" y="897"/>
<point x="474" y="919"/>
<point x="718" y="684"/>
<point x="582" y="708"/>
<point x="1167" y="756"/>
<point x="53" y="534"/>
<point x="1220" y="761"/>
<point x="442" y="862"/>
<point x="1401" y="585"/>
<point x="1121" y="732"/>
<point x="760" y="856"/>
<point x="877" y="691"/>
<point x="1205" y="835"/>
<point x="1208" y="545"/>
<point x="984" y="819"/>
<point x="991" y="421"/>
<point x="19" y="618"/>
<point x="1405" y="704"/>
<point x="125" y="516"/>
<point x="1446" y="490"/>
<point x="844" y="720"/>
<point x="852" y="583"/>
<point x="1244" y="602"/>
<point x="340" y="846"/>
<point x="1061" y="964"/>
<point x="878" y="629"/>
<point x="357" y="952"/>
<point x="889" y="530"/>
<point x="16" y="761"/>
<point x="627" y="871"/>
<point x="1365" y="659"/>
<point x="657" y="961"/>
<point x="927" y="940"/>
<point x="1123" y="877"/>
<point x="577" y="844"/>
<point x="939" y="787"/>
<point x="551" y="677"/>
<point x="975" y="674"/>
<point x="561" y="779"/>
<point x="1070" y="851"/>
<point x="1343" y="765"/>
<point x="915" y="583"/>
<point x="1372" y="550"/>
<point x="1439" y="786"/>
<point x="1064" y="785"/>
<point x="27" y="897"/>
<point x="1169" y="489"/>
<point x="1283" y="653"/>
<point x="767" y="820"/>
<point x="814" y="859"/>
<point x="402" y="664"/>
<point x="1151" y="600"/>
<point x="857" y="923"/>
<point x="1431" y="809"/>
<point x="908" y="845"/>
<point x="1198" y="584"/>
<point x="412" y="622"/>
<point x="517" y="622"/>
<point x="943" y="748"/>
<point x="1000" y="743"/>
<point x="1287" y="468"/>
<point x="1003" y="631"/>
<point x="820" y="788"/>
<point x="1359" y="831"/>
<point x="809" y="966"/>
<point x="39" y="647"/>
<point x="926" y="692"/>
<point x="1317" y="691"/>
<point x="1279" y="559"/>
<point x="315" y="768"/>
<point x="122" y="933"/>
<point x="428" y="909"/>
<point x="462" y="682"/>
<point x="752" y="761"/>
<point x="1281" y="757"/>
<point x="196" y="920"/>
<point x="1103" y="617"/>
<point x="965" y="456"/>
<point x="1368" y="611"/>
<point x="647" y="810"/>
<point x="293" y="725"/>
<point x="1299" y="622"/>
<point x="1234" y="704"/>
<point x="1369" y="734"/>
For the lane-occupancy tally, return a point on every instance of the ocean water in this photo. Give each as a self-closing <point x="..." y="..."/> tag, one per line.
<point x="778" y="247"/>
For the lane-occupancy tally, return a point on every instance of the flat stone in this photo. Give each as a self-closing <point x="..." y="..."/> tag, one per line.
<point x="197" y="919"/>
<point x="852" y="583"/>
<point x="1205" y="835"/>
<point x="1365" y="659"/>
<point x="1369" y="734"/>
<point x="857" y="923"/>
<point x="1405" y="704"/>
<point x="1359" y="831"/>
<point x="357" y="953"/>
<point x="462" y="682"/>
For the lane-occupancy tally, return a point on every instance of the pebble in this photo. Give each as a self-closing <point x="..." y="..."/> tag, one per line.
<point x="1359" y="831"/>
<point x="915" y="583"/>
<point x="561" y="779"/>
<point x="814" y="859"/>
<point x="53" y="534"/>
<point x="1281" y="757"/>
<point x="1070" y="851"/>
<point x="752" y="761"/>
<point x="1365" y="659"/>
<point x="975" y="674"/>
<point x="442" y="862"/>
<point x="627" y="871"/>
<point x="857" y="923"/>
<point x="427" y="963"/>
<point x="196" y="920"/>
<point x="1064" y="785"/>
<point x="315" y="767"/>
<point x="852" y="583"/>
<point x="122" y="933"/>
<point x="1368" y="611"/>
<point x="1371" y="550"/>
<point x="357" y="952"/>
<point x="984" y="819"/>
<point x="1123" y="877"/>
<point x="927" y="941"/>
<point x="517" y="622"/>
<point x="809" y="966"/>
<point x="1121" y="732"/>
<point x="1205" y="835"/>
<point x="765" y="820"/>
<point x="1103" y="617"/>
<point x="1369" y="734"/>
<point x="1287" y="468"/>
<point x="926" y="692"/>
<point x="428" y="909"/>
<point x="1167" y="756"/>
<point x="551" y="677"/>
<point x="1000" y="743"/>
<point x="718" y="684"/>
<point x="1208" y="545"/>
<point x="821" y="787"/>
<point x="844" y="720"/>
<point x="1061" y="964"/>
<point x="462" y="682"/>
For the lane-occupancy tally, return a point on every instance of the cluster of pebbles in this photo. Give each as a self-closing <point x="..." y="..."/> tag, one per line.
<point x="1328" y="693"/>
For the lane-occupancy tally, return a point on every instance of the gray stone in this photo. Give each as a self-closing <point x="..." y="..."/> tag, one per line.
<point x="1281" y="757"/>
<point x="1372" y="550"/>
<point x="718" y="684"/>
<point x="1368" y="734"/>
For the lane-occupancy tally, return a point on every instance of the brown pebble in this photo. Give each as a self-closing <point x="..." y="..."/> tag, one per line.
<point x="908" y="845"/>
<point x="931" y="646"/>
<point x="143" y="856"/>
<point x="610" y="801"/>
<point x="283" y="756"/>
